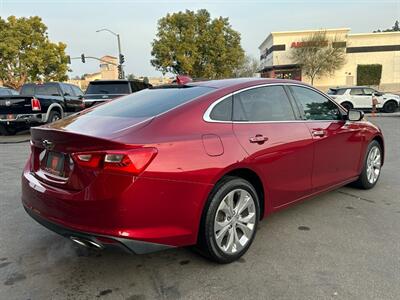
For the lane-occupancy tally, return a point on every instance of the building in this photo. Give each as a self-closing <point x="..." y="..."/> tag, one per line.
<point x="360" y="48"/>
<point x="108" y="71"/>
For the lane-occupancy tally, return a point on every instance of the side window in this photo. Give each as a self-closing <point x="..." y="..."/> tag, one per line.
<point x="315" y="106"/>
<point x="368" y="92"/>
<point x="222" y="111"/>
<point x="263" y="104"/>
<point x="78" y="92"/>
<point x="66" y="89"/>
<point x="356" y="92"/>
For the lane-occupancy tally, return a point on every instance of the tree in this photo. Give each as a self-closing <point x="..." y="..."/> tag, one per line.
<point x="249" y="67"/>
<point x="26" y="54"/>
<point x="130" y="77"/>
<point x="318" y="56"/>
<point x="193" y="44"/>
<point x="395" y="27"/>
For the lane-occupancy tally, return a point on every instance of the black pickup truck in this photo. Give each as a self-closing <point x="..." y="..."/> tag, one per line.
<point x="38" y="104"/>
<point x="100" y="91"/>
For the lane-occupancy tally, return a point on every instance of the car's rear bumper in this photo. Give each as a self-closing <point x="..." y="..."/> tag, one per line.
<point x="98" y="241"/>
<point x="23" y="118"/>
<point x="154" y="211"/>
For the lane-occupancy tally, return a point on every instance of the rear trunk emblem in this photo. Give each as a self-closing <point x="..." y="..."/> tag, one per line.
<point x="8" y="103"/>
<point x="48" y="145"/>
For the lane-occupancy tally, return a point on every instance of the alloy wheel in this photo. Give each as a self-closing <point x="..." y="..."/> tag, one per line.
<point x="373" y="164"/>
<point x="235" y="220"/>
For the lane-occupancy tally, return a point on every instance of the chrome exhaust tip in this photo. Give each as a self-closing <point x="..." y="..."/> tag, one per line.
<point x="86" y="243"/>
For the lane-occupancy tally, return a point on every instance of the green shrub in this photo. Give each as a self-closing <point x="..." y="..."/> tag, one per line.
<point x="369" y="74"/>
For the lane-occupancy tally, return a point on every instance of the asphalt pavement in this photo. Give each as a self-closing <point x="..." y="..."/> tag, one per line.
<point x="343" y="244"/>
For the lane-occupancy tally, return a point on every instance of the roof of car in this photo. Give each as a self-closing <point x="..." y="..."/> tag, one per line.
<point x="350" y="87"/>
<point x="223" y="83"/>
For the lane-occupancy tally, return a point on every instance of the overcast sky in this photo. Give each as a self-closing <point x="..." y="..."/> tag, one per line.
<point x="75" y="23"/>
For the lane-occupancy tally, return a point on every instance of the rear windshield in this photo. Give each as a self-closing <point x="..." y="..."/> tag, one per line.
<point x="108" y="88"/>
<point x="336" y="91"/>
<point x="149" y="102"/>
<point x="47" y="89"/>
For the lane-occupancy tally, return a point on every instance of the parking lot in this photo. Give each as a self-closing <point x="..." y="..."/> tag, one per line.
<point x="340" y="245"/>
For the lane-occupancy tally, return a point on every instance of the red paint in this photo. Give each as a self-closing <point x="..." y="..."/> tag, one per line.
<point x="163" y="202"/>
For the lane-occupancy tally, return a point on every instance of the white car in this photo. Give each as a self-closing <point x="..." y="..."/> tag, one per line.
<point x="360" y="97"/>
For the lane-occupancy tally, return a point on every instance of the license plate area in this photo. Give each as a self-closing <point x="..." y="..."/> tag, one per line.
<point x="54" y="163"/>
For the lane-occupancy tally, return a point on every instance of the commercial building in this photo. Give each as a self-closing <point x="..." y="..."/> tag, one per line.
<point x="361" y="49"/>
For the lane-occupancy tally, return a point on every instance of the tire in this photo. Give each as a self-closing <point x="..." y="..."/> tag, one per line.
<point x="364" y="181"/>
<point x="7" y="130"/>
<point x="347" y="105"/>
<point x="225" y="233"/>
<point x="390" y="106"/>
<point x="53" y="116"/>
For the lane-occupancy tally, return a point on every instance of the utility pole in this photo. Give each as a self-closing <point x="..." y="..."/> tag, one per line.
<point x="121" y="57"/>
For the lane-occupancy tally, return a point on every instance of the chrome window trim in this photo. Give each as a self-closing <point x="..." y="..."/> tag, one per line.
<point x="206" y="115"/>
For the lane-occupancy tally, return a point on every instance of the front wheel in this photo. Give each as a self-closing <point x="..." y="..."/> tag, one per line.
<point x="372" y="167"/>
<point x="230" y="219"/>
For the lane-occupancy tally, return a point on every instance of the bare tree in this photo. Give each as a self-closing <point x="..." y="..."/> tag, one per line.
<point x="248" y="68"/>
<point x="318" y="56"/>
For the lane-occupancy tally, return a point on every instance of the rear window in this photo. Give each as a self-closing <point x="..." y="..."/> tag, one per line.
<point x="336" y="91"/>
<point x="108" y="88"/>
<point x="149" y="102"/>
<point x="4" y="92"/>
<point x="47" y="89"/>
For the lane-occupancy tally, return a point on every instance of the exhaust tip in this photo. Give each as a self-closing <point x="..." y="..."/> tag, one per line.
<point x="86" y="243"/>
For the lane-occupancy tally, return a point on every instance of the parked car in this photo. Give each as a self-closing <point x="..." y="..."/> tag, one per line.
<point x="194" y="164"/>
<point x="360" y="97"/>
<point x="39" y="104"/>
<point x="100" y="91"/>
<point x="7" y="91"/>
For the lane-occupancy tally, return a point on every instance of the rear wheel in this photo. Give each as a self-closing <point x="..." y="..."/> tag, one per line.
<point x="7" y="130"/>
<point x="347" y="105"/>
<point x="390" y="106"/>
<point x="372" y="167"/>
<point x="230" y="219"/>
<point x="54" y="116"/>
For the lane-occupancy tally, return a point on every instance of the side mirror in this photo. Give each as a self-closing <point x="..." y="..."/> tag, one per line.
<point x="355" y="115"/>
<point x="67" y="94"/>
<point x="378" y="94"/>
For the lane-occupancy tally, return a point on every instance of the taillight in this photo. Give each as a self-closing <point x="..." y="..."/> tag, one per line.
<point x="127" y="161"/>
<point x="35" y="103"/>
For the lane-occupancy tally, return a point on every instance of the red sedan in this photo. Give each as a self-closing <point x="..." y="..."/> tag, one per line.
<point x="194" y="164"/>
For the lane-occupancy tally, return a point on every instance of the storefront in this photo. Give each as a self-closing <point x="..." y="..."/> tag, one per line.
<point x="362" y="48"/>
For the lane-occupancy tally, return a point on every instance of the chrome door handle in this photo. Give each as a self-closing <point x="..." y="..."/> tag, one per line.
<point x="318" y="132"/>
<point x="258" y="138"/>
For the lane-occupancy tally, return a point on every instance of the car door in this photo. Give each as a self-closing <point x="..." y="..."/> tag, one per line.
<point x="360" y="99"/>
<point x="72" y="101"/>
<point x="337" y="142"/>
<point x="279" y="145"/>
<point x="368" y="92"/>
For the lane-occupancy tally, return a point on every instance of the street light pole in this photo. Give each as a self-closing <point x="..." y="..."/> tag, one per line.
<point x="120" y="56"/>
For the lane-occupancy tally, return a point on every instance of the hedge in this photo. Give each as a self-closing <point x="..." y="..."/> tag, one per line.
<point x="369" y="74"/>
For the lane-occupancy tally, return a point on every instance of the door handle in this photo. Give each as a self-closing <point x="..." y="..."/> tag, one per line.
<point x="318" y="132"/>
<point x="258" y="138"/>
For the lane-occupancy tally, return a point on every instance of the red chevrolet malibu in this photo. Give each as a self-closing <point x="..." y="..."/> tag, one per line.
<point x="194" y="164"/>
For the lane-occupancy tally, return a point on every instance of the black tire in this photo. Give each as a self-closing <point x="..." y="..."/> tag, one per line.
<point x="207" y="244"/>
<point x="390" y="106"/>
<point x="53" y="116"/>
<point x="362" y="182"/>
<point x="347" y="105"/>
<point x="7" y="130"/>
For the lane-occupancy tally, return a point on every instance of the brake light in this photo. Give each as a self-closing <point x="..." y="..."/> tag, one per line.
<point x="35" y="103"/>
<point x="128" y="161"/>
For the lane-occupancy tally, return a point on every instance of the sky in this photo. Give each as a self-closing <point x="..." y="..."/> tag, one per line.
<point x="75" y="23"/>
